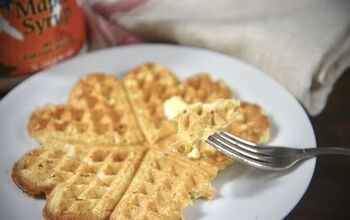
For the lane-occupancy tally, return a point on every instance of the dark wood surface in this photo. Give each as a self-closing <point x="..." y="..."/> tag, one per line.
<point x="328" y="196"/>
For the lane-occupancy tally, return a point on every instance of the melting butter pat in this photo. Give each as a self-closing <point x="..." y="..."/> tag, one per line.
<point x="174" y="106"/>
<point x="194" y="154"/>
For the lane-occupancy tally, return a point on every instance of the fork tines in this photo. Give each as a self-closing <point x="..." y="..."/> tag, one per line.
<point x="239" y="149"/>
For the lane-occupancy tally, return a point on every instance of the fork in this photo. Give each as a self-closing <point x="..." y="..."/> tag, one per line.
<point x="266" y="157"/>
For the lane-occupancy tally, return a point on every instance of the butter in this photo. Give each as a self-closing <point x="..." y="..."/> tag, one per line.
<point x="194" y="154"/>
<point x="174" y="106"/>
<point x="71" y="152"/>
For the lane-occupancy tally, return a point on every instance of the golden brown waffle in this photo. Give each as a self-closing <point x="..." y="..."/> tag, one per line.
<point x="91" y="196"/>
<point x="95" y="162"/>
<point x="199" y="121"/>
<point x="147" y="87"/>
<point x="97" y="112"/>
<point x="42" y="168"/>
<point x="163" y="186"/>
<point x="202" y="88"/>
<point x="251" y="123"/>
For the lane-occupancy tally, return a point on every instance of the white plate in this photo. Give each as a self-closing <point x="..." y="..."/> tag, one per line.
<point x="242" y="192"/>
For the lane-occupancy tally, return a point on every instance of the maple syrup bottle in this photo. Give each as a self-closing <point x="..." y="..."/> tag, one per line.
<point x="35" y="34"/>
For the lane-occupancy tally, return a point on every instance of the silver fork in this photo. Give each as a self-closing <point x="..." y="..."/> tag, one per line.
<point x="265" y="157"/>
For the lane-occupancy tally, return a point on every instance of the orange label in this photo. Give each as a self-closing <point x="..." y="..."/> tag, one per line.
<point x="35" y="34"/>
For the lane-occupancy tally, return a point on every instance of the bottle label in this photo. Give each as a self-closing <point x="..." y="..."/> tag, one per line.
<point x="35" y="34"/>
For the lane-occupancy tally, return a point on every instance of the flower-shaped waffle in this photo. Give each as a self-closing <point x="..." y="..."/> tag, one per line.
<point x="111" y="152"/>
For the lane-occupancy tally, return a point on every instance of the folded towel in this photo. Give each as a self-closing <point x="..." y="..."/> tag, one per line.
<point x="304" y="45"/>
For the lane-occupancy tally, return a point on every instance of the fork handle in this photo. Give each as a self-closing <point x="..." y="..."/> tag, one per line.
<point x="310" y="152"/>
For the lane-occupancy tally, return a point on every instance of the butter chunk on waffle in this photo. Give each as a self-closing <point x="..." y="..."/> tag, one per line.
<point x="41" y="169"/>
<point x="163" y="186"/>
<point x="97" y="112"/>
<point x="147" y="86"/>
<point x="94" y="195"/>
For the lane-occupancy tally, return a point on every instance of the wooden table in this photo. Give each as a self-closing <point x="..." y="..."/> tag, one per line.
<point x="328" y="196"/>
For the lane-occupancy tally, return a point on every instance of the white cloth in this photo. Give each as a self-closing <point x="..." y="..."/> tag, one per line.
<point x="304" y="45"/>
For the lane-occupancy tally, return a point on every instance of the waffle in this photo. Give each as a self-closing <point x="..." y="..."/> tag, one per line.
<point x="111" y="152"/>
<point x="97" y="112"/>
<point x="42" y="168"/>
<point x="163" y="186"/>
<point x="94" y="195"/>
<point x="202" y="88"/>
<point x="199" y="121"/>
<point x="147" y="87"/>
<point x="251" y="123"/>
